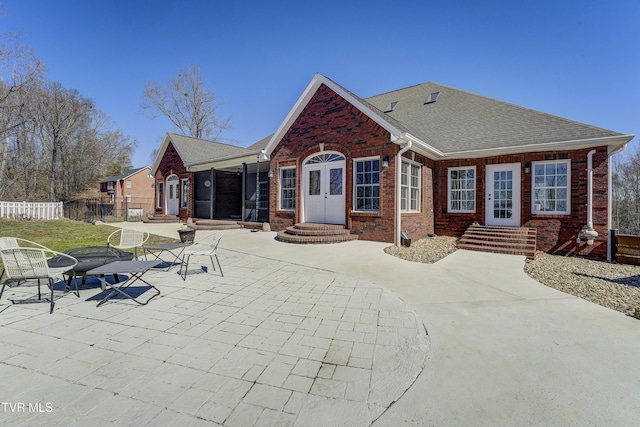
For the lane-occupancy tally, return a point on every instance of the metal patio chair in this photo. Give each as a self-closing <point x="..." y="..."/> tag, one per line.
<point x="128" y="238"/>
<point x="17" y="242"/>
<point x="207" y="246"/>
<point x="24" y="264"/>
<point x="8" y="242"/>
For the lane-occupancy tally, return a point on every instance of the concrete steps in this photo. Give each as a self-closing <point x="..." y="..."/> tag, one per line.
<point x="214" y="224"/>
<point x="309" y="233"/>
<point x="506" y="240"/>
<point x="161" y="219"/>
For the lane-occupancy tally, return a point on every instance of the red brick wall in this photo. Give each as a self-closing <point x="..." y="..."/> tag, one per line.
<point x="172" y="163"/>
<point x="331" y="120"/>
<point x="556" y="233"/>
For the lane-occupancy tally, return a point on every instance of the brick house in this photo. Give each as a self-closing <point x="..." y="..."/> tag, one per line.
<point x="433" y="159"/>
<point x="128" y="194"/>
<point x="201" y="179"/>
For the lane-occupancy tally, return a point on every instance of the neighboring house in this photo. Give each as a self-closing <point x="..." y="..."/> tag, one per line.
<point x="128" y="194"/>
<point x="428" y="159"/>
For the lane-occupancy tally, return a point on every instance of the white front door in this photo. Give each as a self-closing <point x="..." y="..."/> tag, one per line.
<point x="502" y="195"/>
<point x="324" y="198"/>
<point x="172" y="195"/>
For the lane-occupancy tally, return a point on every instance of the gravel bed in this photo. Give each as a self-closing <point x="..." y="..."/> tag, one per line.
<point x="616" y="286"/>
<point x="428" y="250"/>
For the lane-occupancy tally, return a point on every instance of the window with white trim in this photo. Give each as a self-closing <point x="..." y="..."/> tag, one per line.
<point x="288" y="188"/>
<point x="184" y="193"/>
<point x="551" y="184"/>
<point x="410" y="186"/>
<point x="160" y="191"/>
<point x="128" y="183"/>
<point x="367" y="185"/>
<point x="462" y="189"/>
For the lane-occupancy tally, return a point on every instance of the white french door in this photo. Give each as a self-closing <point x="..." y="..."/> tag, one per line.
<point x="172" y="195"/>
<point x="324" y="198"/>
<point x="502" y="195"/>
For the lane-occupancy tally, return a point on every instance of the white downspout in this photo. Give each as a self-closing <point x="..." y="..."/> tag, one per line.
<point x="590" y="189"/>
<point x="588" y="233"/>
<point x="403" y="149"/>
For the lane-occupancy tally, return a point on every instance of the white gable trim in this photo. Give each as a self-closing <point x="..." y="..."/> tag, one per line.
<point x="306" y="96"/>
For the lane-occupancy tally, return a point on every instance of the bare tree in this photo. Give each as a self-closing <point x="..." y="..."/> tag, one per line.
<point x="19" y="70"/>
<point x="187" y="102"/>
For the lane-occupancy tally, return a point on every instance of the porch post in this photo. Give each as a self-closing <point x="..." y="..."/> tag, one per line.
<point x="212" y="204"/>
<point x="244" y="190"/>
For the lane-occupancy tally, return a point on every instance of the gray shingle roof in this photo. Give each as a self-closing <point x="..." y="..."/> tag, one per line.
<point x="124" y="175"/>
<point x="260" y="145"/>
<point x="463" y="121"/>
<point x="196" y="150"/>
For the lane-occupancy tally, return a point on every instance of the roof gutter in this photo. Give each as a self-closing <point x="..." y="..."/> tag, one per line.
<point x="615" y="143"/>
<point x="217" y="160"/>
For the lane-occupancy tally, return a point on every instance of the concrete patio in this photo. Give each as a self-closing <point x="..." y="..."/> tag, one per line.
<point x="332" y="335"/>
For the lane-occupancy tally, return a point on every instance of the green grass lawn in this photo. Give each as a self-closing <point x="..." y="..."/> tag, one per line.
<point x="62" y="235"/>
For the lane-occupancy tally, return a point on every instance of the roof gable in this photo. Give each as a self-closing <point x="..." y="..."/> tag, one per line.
<point x="393" y="126"/>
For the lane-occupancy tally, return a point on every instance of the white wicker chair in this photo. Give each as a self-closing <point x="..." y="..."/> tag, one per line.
<point x="17" y="242"/>
<point x="23" y="264"/>
<point x="207" y="246"/>
<point x="128" y="238"/>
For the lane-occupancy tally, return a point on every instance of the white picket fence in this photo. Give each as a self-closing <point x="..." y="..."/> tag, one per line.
<point x="31" y="210"/>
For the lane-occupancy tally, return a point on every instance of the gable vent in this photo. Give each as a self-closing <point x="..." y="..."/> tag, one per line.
<point x="391" y="106"/>
<point x="432" y="98"/>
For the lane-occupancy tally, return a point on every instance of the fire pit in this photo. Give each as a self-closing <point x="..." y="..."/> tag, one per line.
<point x="90" y="257"/>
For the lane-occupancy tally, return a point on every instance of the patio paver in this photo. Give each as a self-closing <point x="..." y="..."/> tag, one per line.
<point x="269" y="343"/>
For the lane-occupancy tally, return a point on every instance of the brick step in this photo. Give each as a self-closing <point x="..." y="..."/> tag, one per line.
<point x="317" y="231"/>
<point x="251" y="225"/>
<point x="496" y="243"/>
<point x="229" y="225"/>
<point x="508" y="240"/>
<point x="212" y="221"/>
<point x="283" y="236"/>
<point x="314" y="226"/>
<point x="161" y="219"/>
<point x="498" y="238"/>
<point x="520" y="231"/>
<point x="496" y="249"/>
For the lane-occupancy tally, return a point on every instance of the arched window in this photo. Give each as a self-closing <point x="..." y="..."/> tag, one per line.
<point x="325" y="158"/>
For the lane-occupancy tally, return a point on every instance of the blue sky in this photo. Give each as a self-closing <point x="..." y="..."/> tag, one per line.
<point x="578" y="59"/>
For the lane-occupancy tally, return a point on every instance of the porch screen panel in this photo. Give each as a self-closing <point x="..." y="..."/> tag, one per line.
<point x="202" y="191"/>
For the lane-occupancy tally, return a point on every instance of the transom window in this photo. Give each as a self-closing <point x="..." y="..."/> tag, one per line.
<point x="325" y="158"/>
<point x="551" y="187"/>
<point x="410" y="187"/>
<point x="367" y="185"/>
<point x="462" y="189"/>
<point x="288" y="188"/>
